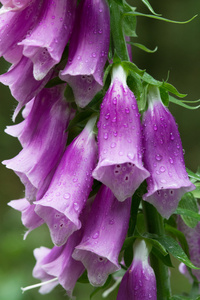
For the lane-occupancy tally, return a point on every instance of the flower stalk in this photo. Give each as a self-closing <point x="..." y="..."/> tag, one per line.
<point x="154" y="224"/>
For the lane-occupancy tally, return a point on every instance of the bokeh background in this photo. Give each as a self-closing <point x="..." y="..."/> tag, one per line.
<point x="179" y="54"/>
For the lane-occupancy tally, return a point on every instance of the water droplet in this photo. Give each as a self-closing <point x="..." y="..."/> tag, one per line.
<point x="158" y="157"/>
<point x="162" y="169"/>
<point x="100" y="31"/>
<point x="107" y="116"/>
<point x="178" y="146"/>
<point x="115" y="133"/>
<point x="114" y="119"/>
<point x="66" y="196"/>
<point x="133" y="106"/>
<point x="105" y="136"/>
<point x="94" y="54"/>
<point x="125" y="125"/>
<point x="127" y="110"/>
<point x="171" y="136"/>
<point x="171" y="160"/>
<point x="114" y="100"/>
<point x="113" y="145"/>
<point x="75" y="179"/>
<point x="130" y="155"/>
<point x="111" y="221"/>
<point x="96" y="235"/>
<point x="155" y="127"/>
<point x="76" y="206"/>
<point x="121" y="153"/>
<point x="161" y="141"/>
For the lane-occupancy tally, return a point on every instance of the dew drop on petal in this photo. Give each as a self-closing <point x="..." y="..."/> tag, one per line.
<point x="158" y="157"/>
<point x="171" y="160"/>
<point x="96" y="235"/>
<point x="113" y="145"/>
<point x="76" y="206"/>
<point x="162" y="169"/>
<point x="105" y="136"/>
<point x="66" y="196"/>
<point x="171" y="136"/>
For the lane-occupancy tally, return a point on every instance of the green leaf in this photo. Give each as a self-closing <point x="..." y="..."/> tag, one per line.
<point x="129" y="66"/>
<point x="146" y="2"/>
<point x="129" y="25"/>
<point x="196" y="192"/>
<point x="164" y="96"/>
<point x="181" y="103"/>
<point x="156" y="244"/>
<point x="193" y="175"/>
<point x="149" y="79"/>
<point x="180" y="236"/>
<point x="187" y="213"/>
<point x="170" y="88"/>
<point x="142" y="47"/>
<point x="128" y="256"/>
<point x="174" y="248"/>
<point x="159" y="18"/>
<point x="128" y="242"/>
<point x="164" y="258"/>
<point x="107" y="71"/>
<point x="178" y="297"/>
<point x="189" y="204"/>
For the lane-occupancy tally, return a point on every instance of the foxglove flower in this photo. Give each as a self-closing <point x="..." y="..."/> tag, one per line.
<point x="88" y="50"/>
<point x="58" y="263"/>
<point x="46" y="42"/>
<point x="139" y="282"/>
<point x="16" y="25"/>
<point x="43" y="135"/>
<point x="22" y="84"/>
<point x="29" y="218"/>
<point x="104" y="234"/>
<point x="120" y="159"/>
<point x="163" y="157"/>
<point x="192" y="236"/>
<point x="70" y="187"/>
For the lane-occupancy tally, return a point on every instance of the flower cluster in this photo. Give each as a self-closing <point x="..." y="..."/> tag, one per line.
<point x="87" y="230"/>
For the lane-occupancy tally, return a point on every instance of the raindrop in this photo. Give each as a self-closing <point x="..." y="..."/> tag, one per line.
<point x="178" y="146"/>
<point x="94" y="54"/>
<point x="161" y="141"/>
<point x="115" y="133"/>
<point x="76" y="206"/>
<point x="115" y="100"/>
<point x="66" y="196"/>
<point x="107" y="116"/>
<point x="127" y="110"/>
<point x="105" y="136"/>
<point x="75" y="179"/>
<point x="155" y="127"/>
<point x="162" y="169"/>
<point x="125" y="125"/>
<point x="158" y="157"/>
<point x="133" y="106"/>
<point x="130" y="155"/>
<point x="121" y="153"/>
<point x="114" y="119"/>
<point x="171" y="136"/>
<point x="113" y="145"/>
<point x="96" y="235"/>
<point x="100" y="31"/>
<point x="111" y="222"/>
<point x="171" y="160"/>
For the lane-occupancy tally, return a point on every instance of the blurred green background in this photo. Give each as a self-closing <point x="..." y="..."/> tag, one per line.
<point x="179" y="53"/>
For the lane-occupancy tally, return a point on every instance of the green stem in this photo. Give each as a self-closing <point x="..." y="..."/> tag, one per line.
<point x="154" y="224"/>
<point x="117" y="33"/>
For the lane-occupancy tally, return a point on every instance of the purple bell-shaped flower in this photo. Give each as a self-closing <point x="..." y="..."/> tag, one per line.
<point x="120" y="164"/>
<point x="88" y="50"/>
<point x="69" y="189"/>
<point x="139" y="282"/>
<point x="103" y="237"/>
<point x="163" y="157"/>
